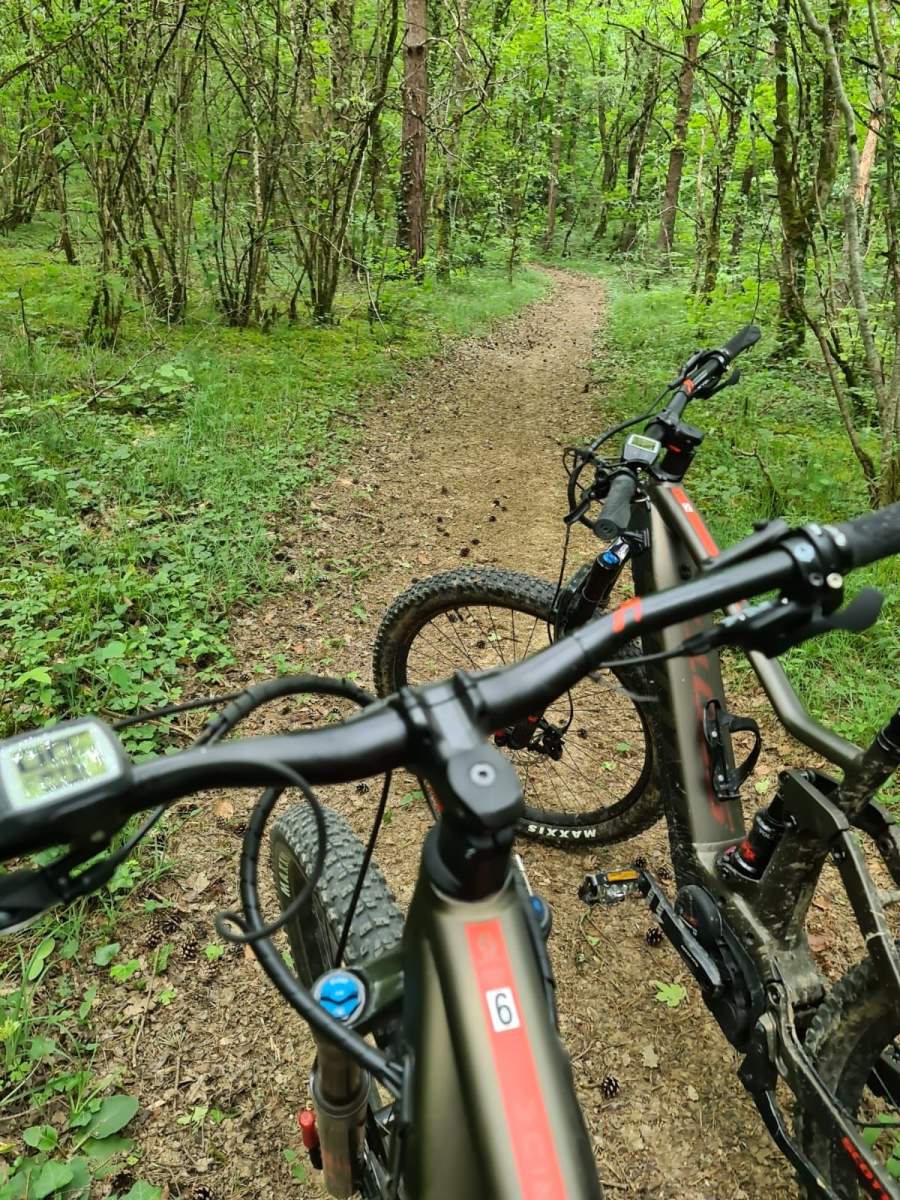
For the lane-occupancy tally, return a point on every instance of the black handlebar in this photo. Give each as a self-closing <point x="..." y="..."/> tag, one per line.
<point x="872" y="536"/>
<point x="742" y="340"/>
<point x="386" y="735"/>
<point x="702" y="376"/>
<point x="615" y="516"/>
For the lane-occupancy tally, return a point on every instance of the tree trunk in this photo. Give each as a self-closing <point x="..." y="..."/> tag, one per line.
<point x="799" y="212"/>
<point x="683" y="100"/>
<point x="792" y="262"/>
<point x="445" y="202"/>
<point x="737" y="229"/>
<point x="556" y="143"/>
<point x="635" y="159"/>
<point x="58" y="186"/>
<point x="720" y="185"/>
<point x="411" y="223"/>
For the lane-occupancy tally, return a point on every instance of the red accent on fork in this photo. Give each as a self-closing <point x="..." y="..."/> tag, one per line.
<point x="306" y="1119"/>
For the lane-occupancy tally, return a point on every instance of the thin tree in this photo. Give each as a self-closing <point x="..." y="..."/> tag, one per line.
<point x="411" y="222"/>
<point x="683" y="99"/>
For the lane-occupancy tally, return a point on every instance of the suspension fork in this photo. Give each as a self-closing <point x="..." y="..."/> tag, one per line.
<point x="590" y="588"/>
<point x="587" y="591"/>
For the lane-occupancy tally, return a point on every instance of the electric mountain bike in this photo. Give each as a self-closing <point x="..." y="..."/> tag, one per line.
<point x="587" y="762"/>
<point x="464" y="1087"/>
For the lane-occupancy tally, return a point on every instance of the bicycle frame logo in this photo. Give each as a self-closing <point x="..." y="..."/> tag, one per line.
<point x="527" y="1122"/>
<point x="696" y="521"/>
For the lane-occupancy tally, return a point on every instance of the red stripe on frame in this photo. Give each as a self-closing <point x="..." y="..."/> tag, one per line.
<point x="696" y="521"/>
<point x="537" y="1165"/>
<point x="627" y="613"/>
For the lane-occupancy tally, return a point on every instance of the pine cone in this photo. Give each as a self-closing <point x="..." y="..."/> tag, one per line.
<point x="640" y="863"/>
<point x="121" y="1182"/>
<point x="190" y="947"/>
<point x="654" y="936"/>
<point x="609" y="1087"/>
<point x="664" y="874"/>
<point x="169" y="922"/>
<point x="154" y="939"/>
<point x="203" y="1193"/>
<point x="361" y="789"/>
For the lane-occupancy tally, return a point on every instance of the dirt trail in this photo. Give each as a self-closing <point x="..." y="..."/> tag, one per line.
<point x="484" y="423"/>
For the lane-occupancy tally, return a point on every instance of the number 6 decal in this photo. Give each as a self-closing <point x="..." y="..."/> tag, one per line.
<point x="502" y="1007"/>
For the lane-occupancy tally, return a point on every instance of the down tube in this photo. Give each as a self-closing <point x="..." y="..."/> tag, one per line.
<point x="697" y="819"/>
<point x="493" y="1109"/>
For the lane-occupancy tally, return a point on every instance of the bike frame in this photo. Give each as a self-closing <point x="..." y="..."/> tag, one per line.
<point x="768" y="915"/>
<point x="491" y="1082"/>
<point x="488" y="1106"/>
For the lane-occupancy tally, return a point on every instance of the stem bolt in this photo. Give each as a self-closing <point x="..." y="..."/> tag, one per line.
<point x="834" y="579"/>
<point x="483" y="774"/>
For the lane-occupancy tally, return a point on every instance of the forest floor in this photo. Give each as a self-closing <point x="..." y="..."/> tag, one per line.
<point x="461" y="463"/>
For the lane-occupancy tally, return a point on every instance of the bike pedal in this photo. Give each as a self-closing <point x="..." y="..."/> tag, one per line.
<point x="610" y="887"/>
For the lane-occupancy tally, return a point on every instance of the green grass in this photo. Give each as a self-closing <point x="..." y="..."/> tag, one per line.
<point x="142" y="494"/>
<point x="774" y="447"/>
<point x="142" y="488"/>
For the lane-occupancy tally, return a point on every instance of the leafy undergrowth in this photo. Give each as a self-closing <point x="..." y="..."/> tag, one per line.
<point x="142" y="488"/>
<point x="142" y="492"/>
<point x="774" y="446"/>
<point x="67" y="1119"/>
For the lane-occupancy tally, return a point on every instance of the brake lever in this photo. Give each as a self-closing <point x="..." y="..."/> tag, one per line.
<point x="575" y="514"/>
<point x="24" y="897"/>
<point x="779" y="625"/>
<point x="686" y="370"/>
<point x="733" y="379"/>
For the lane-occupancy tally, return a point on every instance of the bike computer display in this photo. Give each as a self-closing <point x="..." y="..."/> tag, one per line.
<point x="45" y="774"/>
<point x="641" y="449"/>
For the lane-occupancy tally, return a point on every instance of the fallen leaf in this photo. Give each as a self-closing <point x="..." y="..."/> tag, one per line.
<point x="649" y="1057"/>
<point x="692" y="1093"/>
<point x="198" y="883"/>
<point x="819" y="942"/>
<point x="632" y="1138"/>
<point x="224" y="809"/>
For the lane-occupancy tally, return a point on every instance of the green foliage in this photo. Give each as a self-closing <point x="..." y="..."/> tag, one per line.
<point x="672" y="995"/>
<point x="137" y="511"/>
<point x="773" y="446"/>
<point x="68" y="1163"/>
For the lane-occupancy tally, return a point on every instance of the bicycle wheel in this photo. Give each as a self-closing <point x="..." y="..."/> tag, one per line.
<point x="587" y="766"/>
<point x="315" y="931"/>
<point x="854" y="1041"/>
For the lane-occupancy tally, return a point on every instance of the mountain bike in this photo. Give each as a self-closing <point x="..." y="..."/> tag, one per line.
<point x="464" y="1087"/>
<point x="587" y="761"/>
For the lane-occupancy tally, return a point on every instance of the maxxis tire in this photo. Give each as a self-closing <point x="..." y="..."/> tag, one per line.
<point x="411" y="611"/>
<point x="315" y="932"/>
<point x="854" y="1023"/>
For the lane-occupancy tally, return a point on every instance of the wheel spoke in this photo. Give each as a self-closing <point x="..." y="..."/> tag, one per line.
<point x="564" y="771"/>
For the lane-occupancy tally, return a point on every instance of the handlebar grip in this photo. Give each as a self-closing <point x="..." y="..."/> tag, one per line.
<point x="616" y="515"/>
<point x="742" y="340"/>
<point x="874" y="535"/>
